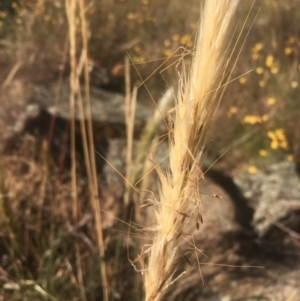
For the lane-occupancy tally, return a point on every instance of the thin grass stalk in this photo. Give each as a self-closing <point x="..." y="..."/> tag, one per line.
<point x="196" y="104"/>
<point x="87" y="166"/>
<point x="11" y="75"/>
<point x="7" y="216"/>
<point x="142" y="169"/>
<point x="58" y="89"/>
<point x="52" y="126"/>
<point x="127" y="121"/>
<point x="130" y="105"/>
<point x="45" y="176"/>
<point x="71" y="12"/>
<point x="74" y="83"/>
<point x="93" y="180"/>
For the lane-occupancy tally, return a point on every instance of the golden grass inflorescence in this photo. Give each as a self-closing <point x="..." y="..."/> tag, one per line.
<point x="200" y="91"/>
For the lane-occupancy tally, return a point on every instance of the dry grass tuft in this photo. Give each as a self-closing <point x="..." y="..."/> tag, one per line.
<point x="84" y="106"/>
<point x="197" y="101"/>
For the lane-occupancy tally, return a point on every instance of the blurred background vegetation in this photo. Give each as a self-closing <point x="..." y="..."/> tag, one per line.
<point x="257" y="124"/>
<point x="263" y="96"/>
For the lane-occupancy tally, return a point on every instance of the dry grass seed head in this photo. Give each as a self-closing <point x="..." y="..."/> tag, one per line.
<point x="197" y="101"/>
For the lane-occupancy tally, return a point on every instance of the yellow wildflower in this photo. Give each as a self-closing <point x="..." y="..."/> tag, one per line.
<point x="3" y="14"/>
<point x="271" y="135"/>
<point x="263" y="152"/>
<point x="288" y="50"/>
<point x="274" y="70"/>
<point x="274" y="144"/>
<point x="291" y="40"/>
<point x="251" y="119"/>
<point x="278" y="139"/>
<point x="232" y="111"/>
<point x="131" y="16"/>
<point x="252" y="169"/>
<point x="280" y="134"/>
<point x="243" y="79"/>
<point x="167" y="52"/>
<point x="175" y="37"/>
<point x="271" y="101"/>
<point x="257" y="47"/>
<point x="18" y="21"/>
<point x="255" y="56"/>
<point x="185" y="39"/>
<point x="167" y="43"/>
<point x="270" y="61"/>
<point x="259" y="70"/>
<point x="264" y="118"/>
<point x="137" y="49"/>
<point x="138" y="59"/>
<point x="190" y="44"/>
<point x="261" y="83"/>
<point x="283" y="144"/>
<point x="294" y="84"/>
<point x="39" y="4"/>
<point x="254" y="119"/>
<point x="290" y="157"/>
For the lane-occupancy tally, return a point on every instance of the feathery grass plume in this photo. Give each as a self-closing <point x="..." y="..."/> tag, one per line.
<point x="197" y="101"/>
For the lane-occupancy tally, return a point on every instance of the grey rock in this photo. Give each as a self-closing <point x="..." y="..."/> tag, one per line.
<point x="274" y="193"/>
<point x="107" y="108"/>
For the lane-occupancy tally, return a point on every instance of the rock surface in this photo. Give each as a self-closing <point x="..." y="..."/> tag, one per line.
<point x="52" y="100"/>
<point x="107" y="108"/>
<point x="275" y="195"/>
